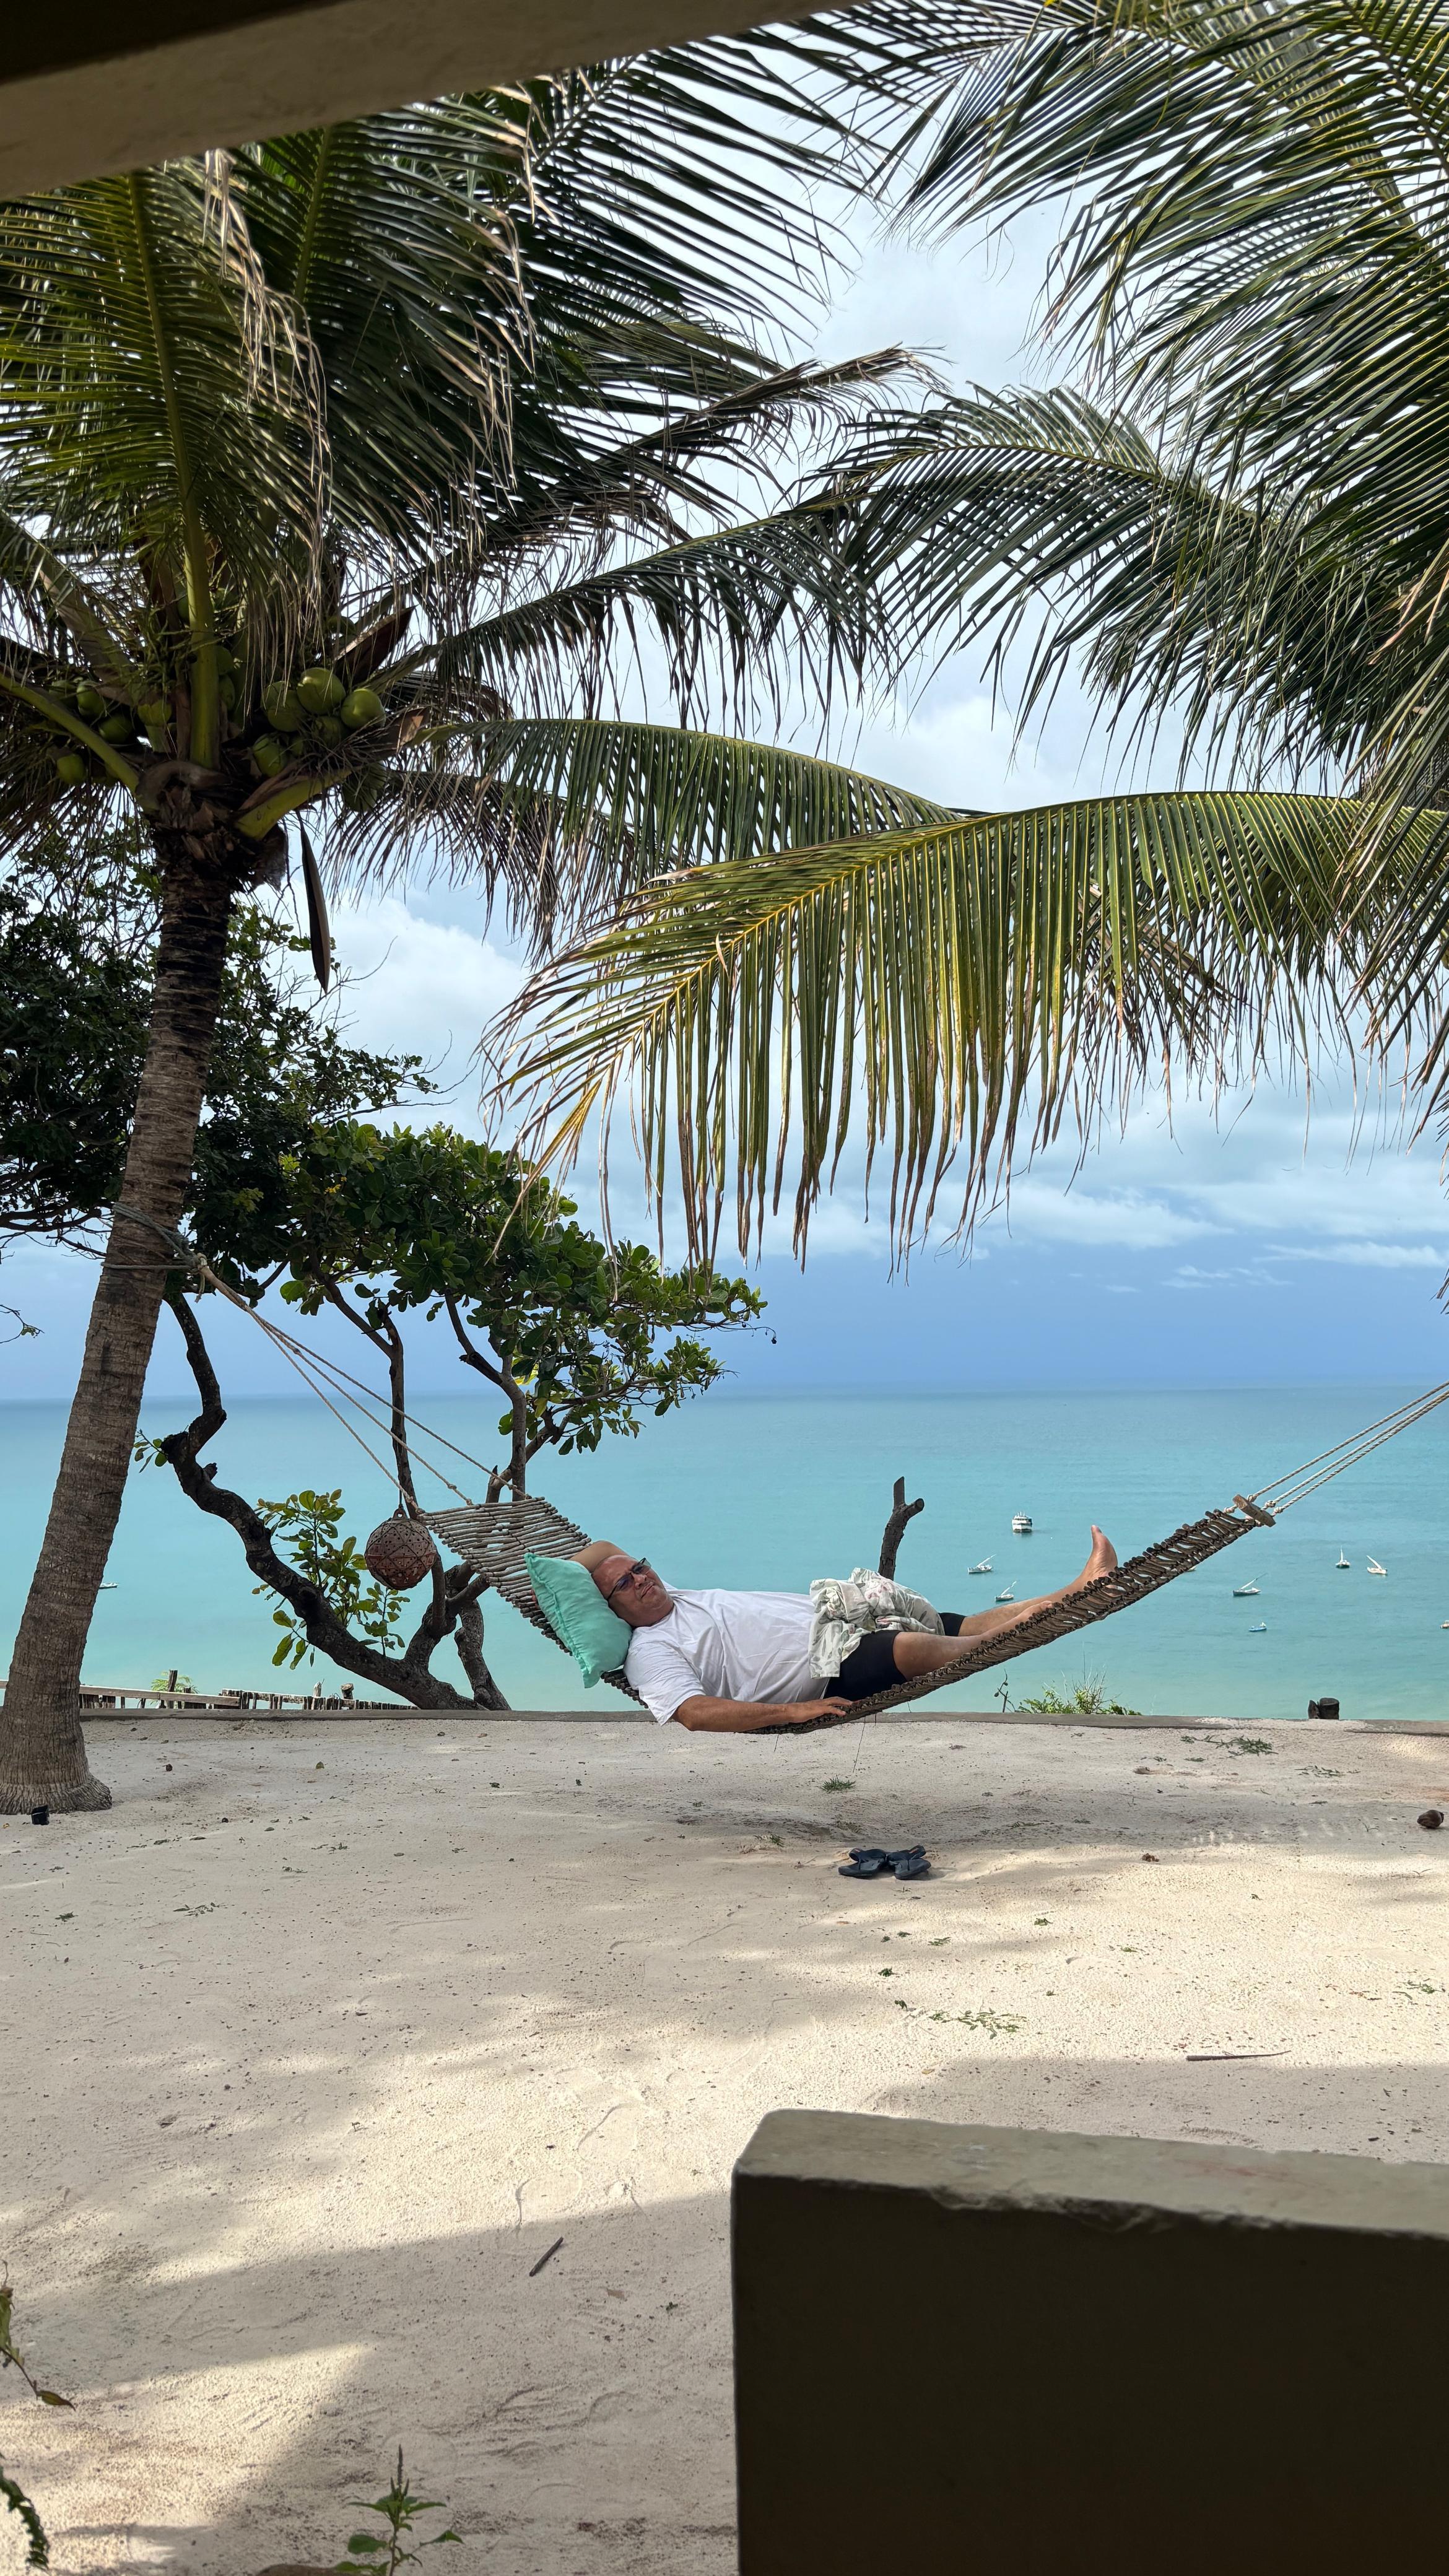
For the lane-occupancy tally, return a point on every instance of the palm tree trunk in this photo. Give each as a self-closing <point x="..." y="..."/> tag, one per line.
<point x="42" y="1751"/>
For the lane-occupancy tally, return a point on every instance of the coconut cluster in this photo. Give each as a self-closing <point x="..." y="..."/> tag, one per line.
<point x="118" y="721"/>
<point x="320" y="707"/>
<point x="315" y="713"/>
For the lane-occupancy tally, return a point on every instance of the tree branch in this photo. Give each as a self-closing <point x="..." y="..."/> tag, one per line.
<point x="472" y="1356"/>
<point x="407" y="1675"/>
<point x="895" y="1528"/>
<point x="486" y="1692"/>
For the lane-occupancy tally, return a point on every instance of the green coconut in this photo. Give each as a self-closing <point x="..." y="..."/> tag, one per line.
<point x="361" y="791"/>
<point x="284" y="708"/>
<point x="226" y="661"/>
<point x="89" y="701"/>
<point x="70" y="767"/>
<point x="320" y="690"/>
<point x="115" y="728"/>
<point x="270" y="754"/>
<point x="328" y="730"/>
<point x="155" y="715"/>
<point x="362" y="707"/>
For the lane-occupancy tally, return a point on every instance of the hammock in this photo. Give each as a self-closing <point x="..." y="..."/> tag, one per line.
<point x="492" y="1538"/>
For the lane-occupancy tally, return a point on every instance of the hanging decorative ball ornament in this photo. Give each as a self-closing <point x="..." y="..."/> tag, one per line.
<point x="399" y="1553"/>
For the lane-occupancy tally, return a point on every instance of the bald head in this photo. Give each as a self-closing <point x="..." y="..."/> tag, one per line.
<point x="631" y="1588"/>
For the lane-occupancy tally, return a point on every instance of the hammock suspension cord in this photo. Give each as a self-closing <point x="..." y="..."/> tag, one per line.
<point x="331" y="1372"/>
<point x="1277" y="1499"/>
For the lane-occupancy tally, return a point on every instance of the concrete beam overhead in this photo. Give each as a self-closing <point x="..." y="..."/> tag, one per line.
<point x="91" y="90"/>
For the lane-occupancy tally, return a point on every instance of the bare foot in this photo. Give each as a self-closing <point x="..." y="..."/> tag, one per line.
<point x="1101" y="1560"/>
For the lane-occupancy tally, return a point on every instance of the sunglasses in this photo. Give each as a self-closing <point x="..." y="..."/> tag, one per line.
<point x="641" y="1566"/>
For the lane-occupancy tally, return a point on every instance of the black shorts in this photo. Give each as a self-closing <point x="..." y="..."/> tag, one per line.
<point x="872" y="1667"/>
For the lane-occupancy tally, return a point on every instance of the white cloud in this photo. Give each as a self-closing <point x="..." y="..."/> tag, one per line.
<point x="1368" y="1256"/>
<point x="422" y="987"/>
<point x="1040" y="1211"/>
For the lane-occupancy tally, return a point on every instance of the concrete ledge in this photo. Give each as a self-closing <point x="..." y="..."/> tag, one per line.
<point x="1000" y="2349"/>
<point x="1313" y="1730"/>
<point x="88" y="89"/>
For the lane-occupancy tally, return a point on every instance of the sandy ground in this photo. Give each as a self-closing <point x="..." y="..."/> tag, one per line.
<point x="318" y="2041"/>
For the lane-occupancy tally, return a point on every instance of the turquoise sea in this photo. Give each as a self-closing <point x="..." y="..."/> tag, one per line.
<point x="771" y="1490"/>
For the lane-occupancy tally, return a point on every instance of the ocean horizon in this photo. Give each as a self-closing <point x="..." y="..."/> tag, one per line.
<point x="771" y="1490"/>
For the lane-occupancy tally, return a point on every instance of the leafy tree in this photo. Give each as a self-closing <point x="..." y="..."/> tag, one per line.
<point x="77" y="961"/>
<point x="577" y="1339"/>
<point x="1235" y="507"/>
<point x="332" y="474"/>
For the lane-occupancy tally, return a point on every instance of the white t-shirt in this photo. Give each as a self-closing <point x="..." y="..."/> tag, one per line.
<point x="724" y="1645"/>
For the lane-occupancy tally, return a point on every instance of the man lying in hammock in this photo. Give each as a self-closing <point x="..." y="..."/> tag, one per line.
<point x="732" y="1661"/>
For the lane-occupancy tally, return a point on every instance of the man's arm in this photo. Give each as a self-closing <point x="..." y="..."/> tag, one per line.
<point x="742" y="1716"/>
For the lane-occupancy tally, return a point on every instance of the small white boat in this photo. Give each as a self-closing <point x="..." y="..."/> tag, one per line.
<point x="1021" y="1524"/>
<point x="1343" y="1564"/>
<point x="1374" y="1566"/>
<point x="1260" y="1630"/>
<point x="984" y="1567"/>
<point x="1245" y="1592"/>
<point x="1007" y="1595"/>
<point x="105" y="1587"/>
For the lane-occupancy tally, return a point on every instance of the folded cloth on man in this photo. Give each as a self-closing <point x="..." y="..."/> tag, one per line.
<point x="846" y="1609"/>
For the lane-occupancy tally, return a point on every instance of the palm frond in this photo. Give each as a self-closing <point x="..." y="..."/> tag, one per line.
<point x="686" y="464"/>
<point x="1257" y="235"/>
<point x="694" y="178"/>
<point x="1037" y="517"/>
<point x="393" y="236"/>
<point x="126" y="334"/>
<point x="568" y="818"/>
<point x="943" y="998"/>
<point x="731" y="608"/>
<point x="47" y="595"/>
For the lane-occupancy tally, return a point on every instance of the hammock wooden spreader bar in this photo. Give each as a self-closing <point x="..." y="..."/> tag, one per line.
<point x="492" y="1539"/>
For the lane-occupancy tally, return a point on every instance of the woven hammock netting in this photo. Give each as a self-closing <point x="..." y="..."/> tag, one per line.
<point x="493" y="1537"/>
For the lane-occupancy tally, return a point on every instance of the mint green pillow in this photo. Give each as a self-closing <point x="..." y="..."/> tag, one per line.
<point x="577" y="1612"/>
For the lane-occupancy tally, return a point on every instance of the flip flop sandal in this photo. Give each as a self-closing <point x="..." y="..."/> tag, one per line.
<point x="869" y="1862"/>
<point x="910" y="1864"/>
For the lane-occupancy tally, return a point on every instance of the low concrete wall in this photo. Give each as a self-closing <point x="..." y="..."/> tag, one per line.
<point x="997" y="2349"/>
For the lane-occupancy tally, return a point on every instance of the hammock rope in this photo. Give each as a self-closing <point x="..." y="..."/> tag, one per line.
<point x="341" y="1380"/>
<point x="1347" y="1453"/>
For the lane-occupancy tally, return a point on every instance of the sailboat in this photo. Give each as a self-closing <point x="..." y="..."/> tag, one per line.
<point x="1374" y="1566"/>
<point x="984" y="1567"/>
<point x="1260" y="1629"/>
<point x="1245" y="1592"/>
<point x="1343" y="1564"/>
<point x="1007" y="1595"/>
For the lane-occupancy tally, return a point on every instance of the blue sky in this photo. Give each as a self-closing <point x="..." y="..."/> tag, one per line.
<point x="1241" y="1245"/>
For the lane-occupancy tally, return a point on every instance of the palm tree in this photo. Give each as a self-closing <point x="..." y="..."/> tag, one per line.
<point x="1236" y="507"/>
<point x="332" y="475"/>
